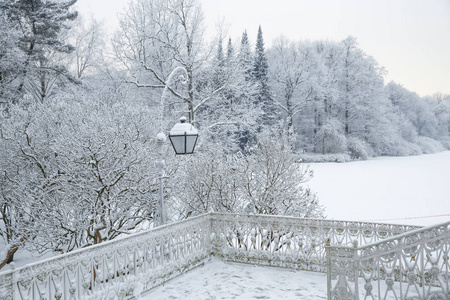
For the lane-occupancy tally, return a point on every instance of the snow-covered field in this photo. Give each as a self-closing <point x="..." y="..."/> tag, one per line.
<point x="412" y="190"/>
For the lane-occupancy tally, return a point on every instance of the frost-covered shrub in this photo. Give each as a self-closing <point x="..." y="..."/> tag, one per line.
<point x="267" y="179"/>
<point x="210" y="183"/>
<point x="272" y="180"/>
<point x="428" y="145"/>
<point x="407" y="131"/>
<point x="395" y="146"/>
<point x="358" y="149"/>
<point x="445" y="143"/>
<point x="328" y="139"/>
<point x="322" y="158"/>
<point x="75" y="173"/>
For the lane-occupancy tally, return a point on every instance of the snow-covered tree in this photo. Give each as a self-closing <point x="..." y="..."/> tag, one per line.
<point x="88" y="42"/>
<point x="295" y="75"/>
<point x="230" y="50"/>
<point x="12" y="61"/>
<point x="211" y="184"/>
<point x="422" y="118"/>
<point x="157" y="36"/>
<point x="442" y="111"/>
<point x="361" y="87"/>
<point x="267" y="178"/>
<point x="260" y="77"/>
<point x="231" y="117"/>
<point x="219" y="76"/>
<point x="41" y="24"/>
<point x="273" y="181"/>
<point x="245" y="57"/>
<point x="75" y="173"/>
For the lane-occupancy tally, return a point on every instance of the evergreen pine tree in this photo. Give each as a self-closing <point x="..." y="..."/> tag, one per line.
<point x="245" y="58"/>
<point x="246" y="90"/>
<point x="41" y="23"/>
<point x="260" y="77"/>
<point x="219" y="67"/>
<point x="230" y="51"/>
<point x="229" y="69"/>
<point x="12" y="61"/>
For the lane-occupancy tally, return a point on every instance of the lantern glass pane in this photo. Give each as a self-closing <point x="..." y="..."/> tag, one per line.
<point x="178" y="144"/>
<point x="190" y="143"/>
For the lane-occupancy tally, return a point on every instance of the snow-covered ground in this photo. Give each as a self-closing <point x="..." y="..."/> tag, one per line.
<point x="412" y="190"/>
<point x="221" y="280"/>
<point x="405" y="190"/>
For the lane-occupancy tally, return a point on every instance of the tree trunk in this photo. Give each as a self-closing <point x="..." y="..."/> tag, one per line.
<point x="191" y="97"/>
<point x="9" y="256"/>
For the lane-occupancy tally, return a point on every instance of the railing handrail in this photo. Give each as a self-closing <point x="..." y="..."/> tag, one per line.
<point x="402" y="235"/>
<point x="313" y="219"/>
<point x="393" y="238"/>
<point x="410" y="265"/>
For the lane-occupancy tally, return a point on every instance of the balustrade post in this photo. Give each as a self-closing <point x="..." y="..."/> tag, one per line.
<point x="211" y="234"/>
<point x="13" y="280"/>
<point x="356" y="267"/>
<point x="328" y="258"/>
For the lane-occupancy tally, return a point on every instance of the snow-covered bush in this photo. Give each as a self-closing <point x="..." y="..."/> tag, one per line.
<point x="445" y="143"/>
<point x="272" y="181"/>
<point x="322" y="158"/>
<point x="358" y="149"/>
<point x="428" y="145"/>
<point x="210" y="182"/>
<point x="398" y="148"/>
<point x="329" y="139"/>
<point x="75" y="173"/>
<point x="268" y="179"/>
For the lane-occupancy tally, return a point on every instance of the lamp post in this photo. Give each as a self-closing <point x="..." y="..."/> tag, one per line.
<point x="183" y="137"/>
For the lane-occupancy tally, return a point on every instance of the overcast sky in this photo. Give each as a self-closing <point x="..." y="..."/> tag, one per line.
<point x="410" y="38"/>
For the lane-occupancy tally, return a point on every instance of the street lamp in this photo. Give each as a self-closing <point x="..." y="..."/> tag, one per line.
<point x="183" y="137"/>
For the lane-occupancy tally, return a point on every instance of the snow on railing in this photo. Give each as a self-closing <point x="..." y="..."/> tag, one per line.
<point x="412" y="265"/>
<point x="116" y="269"/>
<point x="129" y="266"/>
<point x="290" y="242"/>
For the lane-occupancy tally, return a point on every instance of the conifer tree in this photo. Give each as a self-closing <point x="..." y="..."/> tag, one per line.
<point x="230" y="51"/>
<point x="260" y="77"/>
<point x="219" y="65"/>
<point x="245" y="57"/>
<point x="41" y="23"/>
<point x="246" y="90"/>
<point x="229" y="67"/>
<point x="11" y="61"/>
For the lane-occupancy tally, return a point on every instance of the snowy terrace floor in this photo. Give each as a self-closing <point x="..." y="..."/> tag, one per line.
<point x="226" y="280"/>
<point x="223" y="280"/>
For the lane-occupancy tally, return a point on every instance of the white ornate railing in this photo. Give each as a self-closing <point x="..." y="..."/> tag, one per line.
<point x="134" y="264"/>
<point x="115" y="269"/>
<point x="412" y="265"/>
<point x="290" y="242"/>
